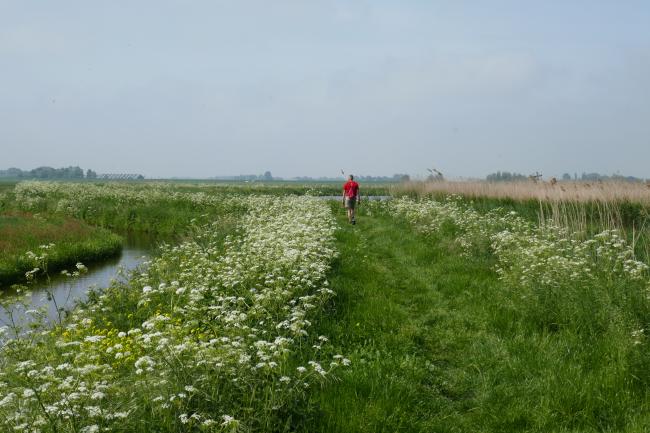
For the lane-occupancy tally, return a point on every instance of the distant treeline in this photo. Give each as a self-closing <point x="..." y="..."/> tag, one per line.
<point x="506" y="176"/>
<point x="48" y="173"/>
<point x="597" y="176"/>
<point x="397" y="177"/>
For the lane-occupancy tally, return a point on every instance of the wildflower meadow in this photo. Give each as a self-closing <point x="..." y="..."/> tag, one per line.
<point x="201" y="338"/>
<point x="263" y="310"/>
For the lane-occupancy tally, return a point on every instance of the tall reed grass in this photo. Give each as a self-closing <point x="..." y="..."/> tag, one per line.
<point x="582" y="208"/>
<point x="583" y="192"/>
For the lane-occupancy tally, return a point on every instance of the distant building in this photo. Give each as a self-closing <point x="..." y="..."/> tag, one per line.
<point x="120" y="176"/>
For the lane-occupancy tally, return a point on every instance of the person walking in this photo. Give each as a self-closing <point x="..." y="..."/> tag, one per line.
<point x="351" y="198"/>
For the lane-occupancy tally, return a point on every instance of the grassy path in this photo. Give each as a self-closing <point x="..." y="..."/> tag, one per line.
<point x="396" y="316"/>
<point x="438" y="345"/>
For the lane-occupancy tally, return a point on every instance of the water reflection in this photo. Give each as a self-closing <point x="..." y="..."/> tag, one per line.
<point x="63" y="292"/>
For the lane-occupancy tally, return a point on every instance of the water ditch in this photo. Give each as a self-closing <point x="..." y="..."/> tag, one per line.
<point x="60" y="292"/>
<point x="63" y="292"/>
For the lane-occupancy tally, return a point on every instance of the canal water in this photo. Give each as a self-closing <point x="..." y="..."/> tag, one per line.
<point x="63" y="292"/>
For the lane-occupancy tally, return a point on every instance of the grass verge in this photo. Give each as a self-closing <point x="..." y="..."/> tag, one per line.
<point x="585" y="215"/>
<point x="202" y="340"/>
<point x="73" y="241"/>
<point x="438" y="345"/>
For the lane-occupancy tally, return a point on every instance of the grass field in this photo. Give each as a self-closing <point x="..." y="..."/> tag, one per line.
<point x="160" y="210"/>
<point x="6" y="186"/>
<point x="276" y="187"/>
<point x="439" y="343"/>
<point x="86" y="219"/>
<point x="279" y="187"/>
<point x="269" y="313"/>
<point x="72" y="241"/>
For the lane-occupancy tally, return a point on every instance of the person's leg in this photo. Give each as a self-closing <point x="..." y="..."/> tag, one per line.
<point x="348" y="208"/>
<point x="353" y="206"/>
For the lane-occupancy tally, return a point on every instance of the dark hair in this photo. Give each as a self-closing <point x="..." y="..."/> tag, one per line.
<point x="351" y="177"/>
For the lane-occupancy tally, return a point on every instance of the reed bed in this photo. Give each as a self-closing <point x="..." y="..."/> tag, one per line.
<point x="565" y="191"/>
<point x="582" y="208"/>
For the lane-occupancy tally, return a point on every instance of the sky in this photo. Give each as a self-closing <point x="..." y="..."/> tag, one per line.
<point x="172" y="88"/>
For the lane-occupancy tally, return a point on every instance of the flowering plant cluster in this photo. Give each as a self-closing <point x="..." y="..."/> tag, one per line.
<point x="561" y="278"/>
<point x="472" y="230"/>
<point x="81" y="199"/>
<point x="206" y="337"/>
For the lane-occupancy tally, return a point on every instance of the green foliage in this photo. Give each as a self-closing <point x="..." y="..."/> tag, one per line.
<point x="72" y="241"/>
<point x="630" y="218"/>
<point x="510" y="327"/>
<point x="457" y="315"/>
<point x="205" y="339"/>
<point x="278" y="187"/>
<point x="440" y="343"/>
<point x="44" y="173"/>
<point x="505" y="176"/>
<point x="160" y="209"/>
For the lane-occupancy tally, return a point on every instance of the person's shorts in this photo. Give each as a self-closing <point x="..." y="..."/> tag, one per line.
<point x="350" y="203"/>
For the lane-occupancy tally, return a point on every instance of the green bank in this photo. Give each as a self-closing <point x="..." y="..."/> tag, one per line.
<point x="439" y="345"/>
<point x="56" y="242"/>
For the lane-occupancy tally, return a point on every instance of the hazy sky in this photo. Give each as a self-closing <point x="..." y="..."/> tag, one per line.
<point x="308" y="87"/>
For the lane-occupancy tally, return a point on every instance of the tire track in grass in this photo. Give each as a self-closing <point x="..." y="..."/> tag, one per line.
<point x="396" y="317"/>
<point x="439" y="344"/>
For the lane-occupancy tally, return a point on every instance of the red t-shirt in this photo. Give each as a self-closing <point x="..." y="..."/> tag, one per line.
<point x="351" y="189"/>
